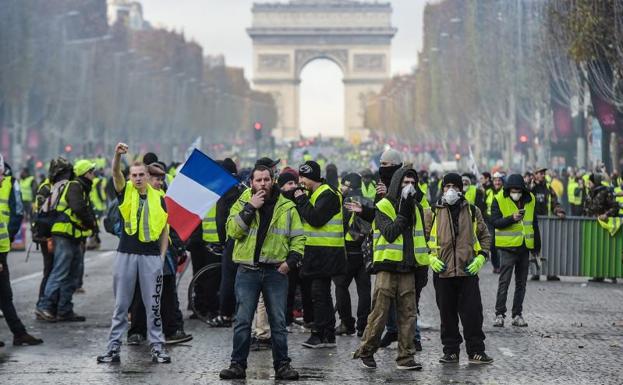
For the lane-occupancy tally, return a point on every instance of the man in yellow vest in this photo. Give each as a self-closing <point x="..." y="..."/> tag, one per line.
<point x="74" y="223"/>
<point x="368" y="185"/>
<point x="516" y="236"/>
<point x="28" y="188"/>
<point x="575" y="195"/>
<point x="269" y="241"/>
<point x="140" y="254"/>
<point x="497" y="183"/>
<point x="459" y="245"/>
<point x="325" y="255"/>
<point x="398" y="242"/>
<point x="10" y="220"/>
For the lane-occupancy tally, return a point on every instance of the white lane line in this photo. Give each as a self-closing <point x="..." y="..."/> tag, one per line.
<point x="39" y="274"/>
<point x="507" y="352"/>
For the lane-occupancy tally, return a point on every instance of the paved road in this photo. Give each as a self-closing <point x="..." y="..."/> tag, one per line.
<point x="573" y="338"/>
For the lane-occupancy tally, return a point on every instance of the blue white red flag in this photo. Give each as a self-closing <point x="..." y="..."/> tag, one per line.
<point x="194" y="191"/>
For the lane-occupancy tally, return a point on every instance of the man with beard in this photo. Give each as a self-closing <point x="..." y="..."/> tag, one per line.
<point x="269" y="241"/>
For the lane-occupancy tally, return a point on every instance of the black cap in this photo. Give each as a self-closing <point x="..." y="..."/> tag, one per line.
<point x="453" y="178"/>
<point x="285" y="178"/>
<point x="265" y="161"/>
<point x="310" y="170"/>
<point x="353" y="179"/>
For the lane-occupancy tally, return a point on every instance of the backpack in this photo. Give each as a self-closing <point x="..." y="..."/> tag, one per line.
<point x="46" y="215"/>
<point x="113" y="223"/>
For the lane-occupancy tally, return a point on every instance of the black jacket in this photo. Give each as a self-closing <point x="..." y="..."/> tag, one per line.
<point x="80" y="204"/>
<point x="500" y="222"/>
<point x="402" y="225"/>
<point x="320" y="261"/>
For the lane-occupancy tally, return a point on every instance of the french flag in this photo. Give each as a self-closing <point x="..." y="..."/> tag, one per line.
<point x="194" y="190"/>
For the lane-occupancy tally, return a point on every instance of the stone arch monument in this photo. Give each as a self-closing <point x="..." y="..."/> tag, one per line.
<point x="356" y="35"/>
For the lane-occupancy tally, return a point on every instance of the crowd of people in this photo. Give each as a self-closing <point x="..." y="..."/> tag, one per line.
<point x="284" y="237"/>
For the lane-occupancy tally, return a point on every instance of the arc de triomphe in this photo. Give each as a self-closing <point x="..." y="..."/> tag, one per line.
<point x="356" y="35"/>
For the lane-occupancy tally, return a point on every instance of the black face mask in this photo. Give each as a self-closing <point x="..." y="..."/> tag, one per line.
<point x="386" y="173"/>
<point x="288" y="194"/>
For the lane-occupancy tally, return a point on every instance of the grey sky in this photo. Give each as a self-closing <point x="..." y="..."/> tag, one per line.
<point x="219" y="26"/>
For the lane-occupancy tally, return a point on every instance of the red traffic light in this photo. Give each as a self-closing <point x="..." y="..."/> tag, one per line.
<point x="257" y="126"/>
<point x="68" y="148"/>
<point x="523" y="138"/>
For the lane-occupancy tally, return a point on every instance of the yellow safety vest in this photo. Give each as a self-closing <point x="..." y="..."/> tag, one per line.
<point x="489" y="199"/>
<point x="573" y="200"/>
<point x="385" y="251"/>
<point x="5" y="214"/>
<point x="619" y="200"/>
<point x="516" y="234"/>
<point x="470" y="195"/>
<point x="332" y="233"/>
<point x="432" y="240"/>
<point x="368" y="191"/>
<point x="208" y="224"/>
<point x="68" y="223"/>
<point x="152" y="219"/>
<point x="95" y="195"/>
<point x="25" y="186"/>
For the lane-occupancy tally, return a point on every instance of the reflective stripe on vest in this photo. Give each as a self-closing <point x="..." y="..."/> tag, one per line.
<point x="393" y="252"/>
<point x="332" y="233"/>
<point x="516" y="234"/>
<point x="210" y="233"/>
<point x="25" y="186"/>
<point x="5" y="213"/>
<point x="152" y="218"/>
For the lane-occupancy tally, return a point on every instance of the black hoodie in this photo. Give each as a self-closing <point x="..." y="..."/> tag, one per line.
<point x="402" y="225"/>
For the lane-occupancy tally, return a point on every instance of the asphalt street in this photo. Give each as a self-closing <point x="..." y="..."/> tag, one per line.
<point x="574" y="337"/>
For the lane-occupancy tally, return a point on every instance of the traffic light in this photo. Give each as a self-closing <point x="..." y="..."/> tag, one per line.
<point x="257" y="129"/>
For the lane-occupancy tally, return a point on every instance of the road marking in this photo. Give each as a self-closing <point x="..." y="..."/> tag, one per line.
<point x="507" y="352"/>
<point x="39" y="274"/>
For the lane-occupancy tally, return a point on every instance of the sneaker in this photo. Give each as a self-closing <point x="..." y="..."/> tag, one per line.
<point x="498" y="322"/>
<point x="71" y="317"/>
<point x="45" y="315"/>
<point x="111" y="357"/>
<point x="329" y="341"/>
<point x="519" y="321"/>
<point x="480" y="358"/>
<point x="285" y="372"/>
<point x="220" y="322"/>
<point x="418" y="345"/>
<point x="160" y="356"/>
<point x="234" y="372"/>
<point x="535" y="278"/>
<point x="368" y="362"/>
<point x="26" y="340"/>
<point x="344" y="330"/>
<point x="409" y="365"/>
<point x="553" y="278"/>
<point x="178" y="337"/>
<point x="387" y="339"/>
<point x="314" y="342"/>
<point x="135" y="339"/>
<point x="449" y="358"/>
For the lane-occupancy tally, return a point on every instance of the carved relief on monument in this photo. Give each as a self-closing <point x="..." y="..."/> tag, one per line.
<point x="369" y="62"/>
<point x="304" y="56"/>
<point x="273" y="62"/>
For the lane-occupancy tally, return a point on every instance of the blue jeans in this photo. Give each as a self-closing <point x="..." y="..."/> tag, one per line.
<point x="274" y="286"/>
<point x="64" y="278"/>
<point x="392" y="326"/>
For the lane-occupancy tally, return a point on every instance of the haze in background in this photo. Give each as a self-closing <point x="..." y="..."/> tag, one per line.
<point x="220" y="27"/>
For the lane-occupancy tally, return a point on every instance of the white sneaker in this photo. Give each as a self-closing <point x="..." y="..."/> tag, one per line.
<point x="519" y="321"/>
<point x="498" y="322"/>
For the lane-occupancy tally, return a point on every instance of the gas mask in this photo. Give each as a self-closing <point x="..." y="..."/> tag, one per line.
<point x="515" y="196"/>
<point x="450" y="197"/>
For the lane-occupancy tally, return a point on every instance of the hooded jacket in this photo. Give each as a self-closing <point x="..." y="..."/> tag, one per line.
<point x="402" y="225"/>
<point x="457" y="250"/>
<point x="500" y="222"/>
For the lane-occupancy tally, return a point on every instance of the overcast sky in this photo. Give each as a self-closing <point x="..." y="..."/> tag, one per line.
<point x="220" y="27"/>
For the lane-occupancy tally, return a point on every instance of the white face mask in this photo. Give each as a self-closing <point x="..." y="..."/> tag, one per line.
<point x="450" y="197"/>
<point x="515" y="196"/>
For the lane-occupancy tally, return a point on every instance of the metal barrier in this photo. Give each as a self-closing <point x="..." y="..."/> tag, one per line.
<point x="578" y="246"/>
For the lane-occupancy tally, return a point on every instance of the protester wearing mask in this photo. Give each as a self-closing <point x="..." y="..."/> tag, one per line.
<point x="516" y="235"/>
<point x="459" y="244"/>
<point x="391" y="161"/>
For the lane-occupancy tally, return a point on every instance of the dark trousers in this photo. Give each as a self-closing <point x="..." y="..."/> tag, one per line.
<point x="304" y="284"/>
<point x="519" y="261"/>
<point x="460" y="297"/>
<point x="324" y="313"/>
<point x="227" y="297"/>
<point x="169" y="307"/>
<point x="495" y="258"/>
<point x="206" y="290"/>
<point x="6" y="300"/>
<point x="48" y="263"/>
<point x="357" y="272"/>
